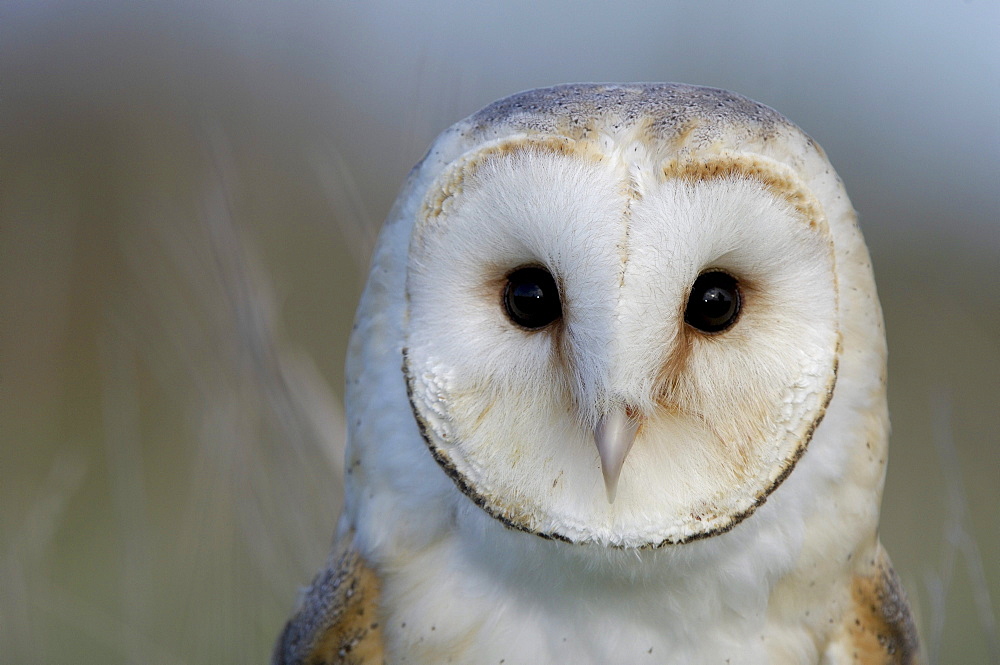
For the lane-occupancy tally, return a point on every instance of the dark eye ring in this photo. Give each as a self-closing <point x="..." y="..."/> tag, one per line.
<point x="531" y="298"/>
<point x="714" y="303"/>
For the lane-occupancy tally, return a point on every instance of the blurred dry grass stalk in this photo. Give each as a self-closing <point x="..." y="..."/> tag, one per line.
<point x="958" y="544"/>
<point x="252" y="503"/>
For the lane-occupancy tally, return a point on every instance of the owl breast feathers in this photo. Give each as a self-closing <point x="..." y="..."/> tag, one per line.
<point x="616" y="394"/>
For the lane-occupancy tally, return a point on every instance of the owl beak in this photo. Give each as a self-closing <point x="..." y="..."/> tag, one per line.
<point x="614" y="435"/>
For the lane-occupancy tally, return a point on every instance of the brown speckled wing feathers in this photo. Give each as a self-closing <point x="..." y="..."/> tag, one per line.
<point x="879" y="626"/>
<point x="337" y="620"/>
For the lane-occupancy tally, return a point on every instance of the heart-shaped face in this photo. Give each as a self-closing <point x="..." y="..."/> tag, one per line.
<point x="589" y="319"/>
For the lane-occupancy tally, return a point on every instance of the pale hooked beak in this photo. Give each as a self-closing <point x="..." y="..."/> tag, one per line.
<point x="614" y="435"/>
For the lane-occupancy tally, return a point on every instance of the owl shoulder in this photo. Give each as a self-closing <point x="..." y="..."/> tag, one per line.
<point x="337" y="621"/>
<point x="878" y="628"/>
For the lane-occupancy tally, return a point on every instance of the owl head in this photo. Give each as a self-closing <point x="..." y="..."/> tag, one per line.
<point x="623" y="311"/>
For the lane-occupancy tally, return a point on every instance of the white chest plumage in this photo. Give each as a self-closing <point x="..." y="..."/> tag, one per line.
<point x="675" y="275"/>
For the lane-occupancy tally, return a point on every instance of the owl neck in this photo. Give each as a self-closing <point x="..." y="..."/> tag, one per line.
<point x="453" y="577"/>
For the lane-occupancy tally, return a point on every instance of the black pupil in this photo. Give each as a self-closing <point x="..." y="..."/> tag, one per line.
<point x="714" y="302"/>
<point x="531" y="297"/>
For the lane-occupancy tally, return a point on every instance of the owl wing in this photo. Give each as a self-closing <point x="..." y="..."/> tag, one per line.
<point x="878" y="629"/>
<point x="337" y="619"/>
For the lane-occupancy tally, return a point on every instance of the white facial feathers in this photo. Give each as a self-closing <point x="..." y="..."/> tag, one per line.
<point x="510" y="413"/>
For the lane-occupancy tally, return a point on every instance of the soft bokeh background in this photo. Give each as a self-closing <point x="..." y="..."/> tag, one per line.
<point x="189" y="192"/>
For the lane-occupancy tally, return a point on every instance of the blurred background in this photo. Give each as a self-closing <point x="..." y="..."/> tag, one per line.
<point x="189" y="194"/>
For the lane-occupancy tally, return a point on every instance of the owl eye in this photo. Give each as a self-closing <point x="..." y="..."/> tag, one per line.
<point x="714" y="302"/>
<point x="531" y="297"/>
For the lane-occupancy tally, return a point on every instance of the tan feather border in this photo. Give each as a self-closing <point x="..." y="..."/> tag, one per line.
<point x="337" y="621"/>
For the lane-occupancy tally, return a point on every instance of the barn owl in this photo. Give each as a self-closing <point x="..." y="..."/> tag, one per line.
<point x="616" y="392"/>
